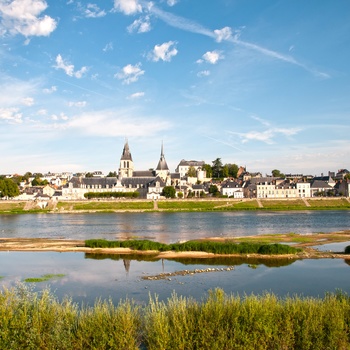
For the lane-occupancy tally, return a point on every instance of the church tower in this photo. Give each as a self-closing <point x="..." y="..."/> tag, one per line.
<point x="126" y="167"/>
<point x="162" y="169"/>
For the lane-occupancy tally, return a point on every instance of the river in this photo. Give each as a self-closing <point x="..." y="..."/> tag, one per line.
<point x="86" y="277"/>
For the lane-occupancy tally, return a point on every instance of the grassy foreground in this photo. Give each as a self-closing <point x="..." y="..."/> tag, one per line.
<point x="40" y="321"/>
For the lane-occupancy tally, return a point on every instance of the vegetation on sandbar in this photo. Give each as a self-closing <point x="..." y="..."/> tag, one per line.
<point x="38" y="320"/>
<point x="43" y="278"/>
<point x="197" y="246"/>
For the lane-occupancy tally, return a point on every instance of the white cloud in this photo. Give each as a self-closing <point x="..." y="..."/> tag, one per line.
<point x="266" y="136"/>
<point x="11" y="115"/>
<point x="203" y="73"/>
<point x="164" y="52"/>
<point x="171" y="2"/>
<point x="108" y="47"/>
<point x="69" y="68"/>
<point x="128" y="7"/>
<point x="141" y="25"/>
<point x="117" y="123"/>
<point x="23" y="17"/>
<point x="42" y="111"/>
<point x="28" y="101"/>
<point x="50" y="90"/>
<point x="211" y="57"/>
<point x="79" y="104"/>
<point x="93" y="11"/>
<point x="59" y="117"/>
<point x="130" y="73"/>
<point x="136" y="95"/>
<point x="223" y="34"/>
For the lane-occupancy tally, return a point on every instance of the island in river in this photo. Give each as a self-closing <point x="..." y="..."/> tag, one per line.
<point x="307" y="243"/>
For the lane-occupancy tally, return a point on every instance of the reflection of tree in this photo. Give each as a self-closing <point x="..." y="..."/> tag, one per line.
<point x="347" y="261"/>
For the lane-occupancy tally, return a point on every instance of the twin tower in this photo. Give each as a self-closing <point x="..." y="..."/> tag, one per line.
<point x="126" y="168"/>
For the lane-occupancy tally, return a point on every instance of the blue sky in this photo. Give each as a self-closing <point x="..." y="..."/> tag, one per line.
<point x="263" y="84"/>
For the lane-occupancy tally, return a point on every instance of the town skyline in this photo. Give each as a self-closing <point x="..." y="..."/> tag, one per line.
<point x="260" y="85"/>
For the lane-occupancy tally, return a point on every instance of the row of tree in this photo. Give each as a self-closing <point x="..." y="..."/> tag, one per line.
<point x="217" y="169"/>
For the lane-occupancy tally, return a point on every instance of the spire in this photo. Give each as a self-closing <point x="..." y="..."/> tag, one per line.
<point x="162" y="164"/>
<point x="126" y="152"/>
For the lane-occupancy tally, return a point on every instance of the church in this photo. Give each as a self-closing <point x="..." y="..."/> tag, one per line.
<point x="149" y="183"/>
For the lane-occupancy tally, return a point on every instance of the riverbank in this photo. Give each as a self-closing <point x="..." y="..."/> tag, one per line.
<point x="307" y="243"/>
<point x="172" y="205"/>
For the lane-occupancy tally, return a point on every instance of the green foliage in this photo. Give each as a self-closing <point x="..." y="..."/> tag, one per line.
<point x="191" y="172"/>
<point x="208" y="169"/>
<point x="91" y="195"/>
<point x="169" y="192"/>
<point x="347" y="249"/>
<point x="31" y="320"/>
<point x="277" y="173"/>
<point x="8" y="188"/>
<point x="213" y="189"/>
<point x="112" y="174"/>
<point x="198" y="246"/>
<point x="89" y="174"/>
<point x="217" y="167"/>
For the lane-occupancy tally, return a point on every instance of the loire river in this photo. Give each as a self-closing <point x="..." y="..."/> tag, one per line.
<point x="86" y="277"/>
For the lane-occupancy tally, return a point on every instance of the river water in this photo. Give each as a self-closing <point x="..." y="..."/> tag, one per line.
<point x="89" y="276"/>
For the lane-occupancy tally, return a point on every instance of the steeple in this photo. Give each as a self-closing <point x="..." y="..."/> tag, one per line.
<point x="162" y="169"/>
<point x="126" y="152"/>
<point x="126" y="167"/>
<point x="162" y="164"/>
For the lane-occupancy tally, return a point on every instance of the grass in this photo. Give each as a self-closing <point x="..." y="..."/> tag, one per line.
<point x="110" y="205"/>
<point x="11" y="207"/>
<point x="290" y="204"/>
<point x="227" y="247"/>
<point x="43" y="278"/>
<point x="340" y="203"/>
<point x="32" y="320"/>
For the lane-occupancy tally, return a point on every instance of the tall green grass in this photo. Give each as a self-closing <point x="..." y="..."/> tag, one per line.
<point x="197" y="246"/>
<point x="32" y="320"/>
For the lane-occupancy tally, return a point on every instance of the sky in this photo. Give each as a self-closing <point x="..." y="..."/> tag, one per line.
<point x="261" y="84"/>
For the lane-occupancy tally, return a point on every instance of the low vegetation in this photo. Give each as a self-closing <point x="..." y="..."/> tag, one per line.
<point x="32" y="320"/>
<point x="43" y="278"/>
<point x="91" y="195"/>
<point x="197" y="246"/>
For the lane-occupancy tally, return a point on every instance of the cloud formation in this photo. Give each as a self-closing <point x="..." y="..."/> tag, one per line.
<point x="141" y="25"/>
<point x="164" y="52"/>
<point x="130" y="74"/>
<point x="23" y="17"/>
<point x="136" y="95"/>
<point x="211" y="57"/>
<point x="69" y="68"/>
<point x="128" y="7"/>
<point x="93" y="11"/>
<point x="11" y="115"/>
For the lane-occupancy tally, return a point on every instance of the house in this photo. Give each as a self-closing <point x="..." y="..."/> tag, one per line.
<point x="342" y="188"/>
<point x="320" y="187"/>
<point x="184" y="166"/>
<point x="232" y="189"/>
<point x="303" y="189"/>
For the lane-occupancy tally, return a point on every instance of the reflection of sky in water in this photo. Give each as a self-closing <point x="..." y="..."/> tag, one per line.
<point x="87" y="279"/>
<point x="171" y="227"/>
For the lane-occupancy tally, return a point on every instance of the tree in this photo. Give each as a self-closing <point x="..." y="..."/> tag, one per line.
<point x="112" y="174"/>
<point x="277" y="173"/>
<point x="213" y="189"/>
<point x="89" y="174"/>
<point x="191" y="172"/>
<point x="217" y="167"/>
<point x="169" y="192"/>
<point x="233" y="170"/>
<point x="225" y="171"/>
<point x="8" y="188"/>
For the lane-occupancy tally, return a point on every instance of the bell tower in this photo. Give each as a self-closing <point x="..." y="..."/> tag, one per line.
<point x="126" y="167"/>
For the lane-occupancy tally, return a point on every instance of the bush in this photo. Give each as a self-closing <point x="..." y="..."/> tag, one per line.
<point x="347" y="249"/>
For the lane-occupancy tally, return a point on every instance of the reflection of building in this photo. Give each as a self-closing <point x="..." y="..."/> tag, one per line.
<point x="127" y="263"/>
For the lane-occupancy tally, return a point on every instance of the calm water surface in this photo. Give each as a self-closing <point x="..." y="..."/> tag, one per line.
<point x="87" y="277"/>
